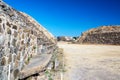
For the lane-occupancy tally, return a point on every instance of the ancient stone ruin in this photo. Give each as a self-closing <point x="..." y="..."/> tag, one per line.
<point x="102" y="35"/>
<point x="21" y="37"/>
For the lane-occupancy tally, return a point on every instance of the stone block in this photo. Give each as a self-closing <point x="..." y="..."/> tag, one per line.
<point x="16" y="63"/>
<point x="10" y="58"/>
<point x="15" y="34"/>
<point x="3" y="61"/>
<point x="23" y="36"/>
<point x="14" y="42"/>
<point x="1" y="29"/>
<point x="14" y="27"/>
<point x="16" y="73"/>
<point x="2" y="39"/>
<point x="0" y="20"/>
<point x="8" y="24"/>
<point x="8" y="31"/>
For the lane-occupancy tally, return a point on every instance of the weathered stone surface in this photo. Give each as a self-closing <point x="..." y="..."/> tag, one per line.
<point x="15" y="34"/>
<point x="10" y="58"/>
<point x="16" y="72"/>
<point x="0" y="20"/>
<point x="34" y="67"/>
<point x="18" y="34"/>
<point x="1" y="30"/>
<point x="103" y="35"/>
<point x="8" y="31"/>
<point x="2" y="39"/>
<point x="3" y="61"/>
<point x="14" y="42"/>
<point x="8" y="24"/>
<point x="14" y="27"/>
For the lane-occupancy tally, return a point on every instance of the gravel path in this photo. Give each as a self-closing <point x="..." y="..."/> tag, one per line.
<point x="91" y="62"/>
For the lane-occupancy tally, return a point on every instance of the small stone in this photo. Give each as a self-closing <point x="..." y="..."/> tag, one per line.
<point x="16" y="72"/>
<point x="22" y="36"/>
<point x="8" y="24"/>
<point x="14" y="57"/>
<point x="16" y="63"/>
<point x="2" y="39"/>
<point x="15" y="34"/>
<point x="4" y="26"/>
<point x="0" y="20"/>
<point x="1" y="30"/>
<point x="8" y="31"/>
<point x="22" y="42"/>
<point x="14" y="42"/>
<point x="3" y="62"/>
<point x="18" y="56"/>
<point x="15" y="27"/>
<point x="10" y="58"/>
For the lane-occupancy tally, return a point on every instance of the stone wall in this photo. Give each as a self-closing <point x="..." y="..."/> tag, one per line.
<point x="21" y="37"/>
<point x="103" y="35"/>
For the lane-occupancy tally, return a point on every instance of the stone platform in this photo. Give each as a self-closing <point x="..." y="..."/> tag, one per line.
<point x="36" y="65"/>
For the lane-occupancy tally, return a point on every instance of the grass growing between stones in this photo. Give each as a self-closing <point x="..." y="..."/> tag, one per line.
<point x="58" y="70"/>
<point x="58" y="67"/>
<point x="48" y="74"/>
<point x="53" y="72"/>
<point x="28" y="60"/>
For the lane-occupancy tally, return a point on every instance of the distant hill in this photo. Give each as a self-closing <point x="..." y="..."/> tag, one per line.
<point x="101" y="35"/>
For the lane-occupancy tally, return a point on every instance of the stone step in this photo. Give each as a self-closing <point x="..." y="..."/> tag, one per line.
<point x="36" y="65"/>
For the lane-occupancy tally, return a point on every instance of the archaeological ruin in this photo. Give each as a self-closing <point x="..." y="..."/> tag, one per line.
<point x="103" y="35"/>
<point x="22" y="38"/>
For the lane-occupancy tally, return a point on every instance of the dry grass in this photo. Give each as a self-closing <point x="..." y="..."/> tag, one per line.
<point x="91" y="62"/>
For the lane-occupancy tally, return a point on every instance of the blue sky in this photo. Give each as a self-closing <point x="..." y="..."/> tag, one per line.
<point x="70" y="17"/>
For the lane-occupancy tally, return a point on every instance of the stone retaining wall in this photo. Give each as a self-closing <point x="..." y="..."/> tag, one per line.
<point x="103" y="35"/>
<point x="21" y="37"/>
<point x="112" y="38"/>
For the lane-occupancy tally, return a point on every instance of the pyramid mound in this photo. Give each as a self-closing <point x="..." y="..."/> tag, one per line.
<point x="21" y="37"/>
<point x="102" y="35"/>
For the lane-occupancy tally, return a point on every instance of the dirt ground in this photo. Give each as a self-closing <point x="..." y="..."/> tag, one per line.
<point x="91" y="62"/>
